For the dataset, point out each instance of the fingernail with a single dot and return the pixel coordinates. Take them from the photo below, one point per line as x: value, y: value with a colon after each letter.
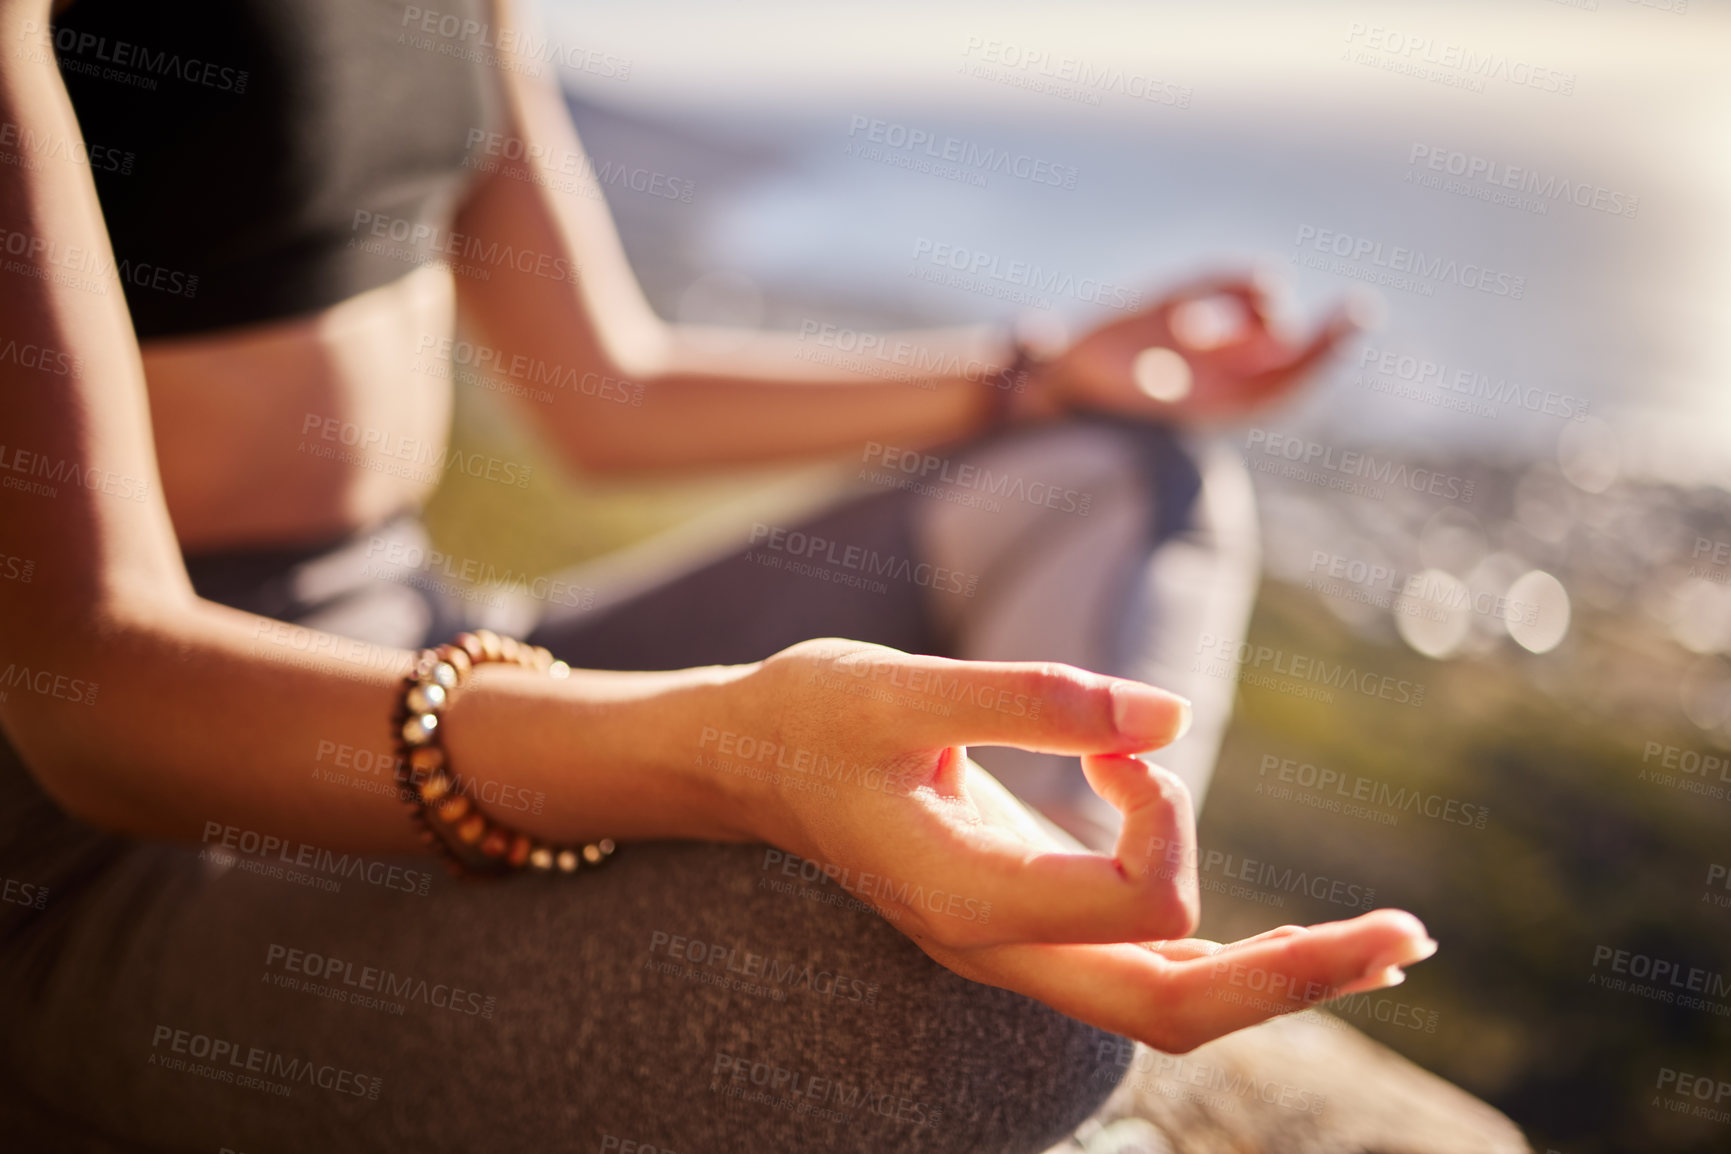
x: 1389, y: 967
x: 1393, y: 961
x: 1386, y: 977
x: 1185, y: 717
x: 1406, y: 954
x: 1375, y: 978
x: 1143, y: 712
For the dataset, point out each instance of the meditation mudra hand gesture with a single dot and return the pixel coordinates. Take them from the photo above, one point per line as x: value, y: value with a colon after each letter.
x: 1208, y: 350
x: 1104, y: 939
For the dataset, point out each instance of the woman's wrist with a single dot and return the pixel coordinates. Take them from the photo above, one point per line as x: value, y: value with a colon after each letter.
x: 1026, y: 390
x: 600, y: 754
x: 711, y: 756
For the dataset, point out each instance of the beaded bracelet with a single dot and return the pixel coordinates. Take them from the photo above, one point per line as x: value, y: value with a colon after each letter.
x: 1012, y: 397
x: 1010, y: 380
x: 470, y: 841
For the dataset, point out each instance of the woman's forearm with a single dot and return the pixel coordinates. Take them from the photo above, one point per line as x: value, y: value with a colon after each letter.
x: 192, y: 718
x: 632, y: 391
x: 725, y: 396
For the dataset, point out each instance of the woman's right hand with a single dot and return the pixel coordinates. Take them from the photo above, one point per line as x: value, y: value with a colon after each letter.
x: 860, y: 753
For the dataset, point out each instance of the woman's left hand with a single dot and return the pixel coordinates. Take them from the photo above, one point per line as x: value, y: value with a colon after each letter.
x: 1208, y: 350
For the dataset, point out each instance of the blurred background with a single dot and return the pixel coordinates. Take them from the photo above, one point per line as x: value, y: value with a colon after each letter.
x: 1537, y: 191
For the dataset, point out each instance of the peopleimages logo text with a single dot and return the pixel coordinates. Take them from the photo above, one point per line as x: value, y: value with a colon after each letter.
x: 965, y: 475
x: 1546, y: 187
x: 1421, y: 51
x: 1068, y: 77
x: 227, y: 1056
x: 1411, y: 261
x: 87, y: 49
x: 1246, y: 661
x: 810, y: 547
x: 989, y: 267
x: 959, y: 151
x: 1479, y: 386
x: 1366, y: 466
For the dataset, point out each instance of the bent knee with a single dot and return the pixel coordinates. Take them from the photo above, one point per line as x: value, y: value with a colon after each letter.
x: 1035, y: 1075
x: 988, y: 1069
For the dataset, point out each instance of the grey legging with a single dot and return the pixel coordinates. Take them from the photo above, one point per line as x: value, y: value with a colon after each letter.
x: 689, y: 997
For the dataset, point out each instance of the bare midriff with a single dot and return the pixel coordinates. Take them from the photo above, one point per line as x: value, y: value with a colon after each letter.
x: 307, y: 428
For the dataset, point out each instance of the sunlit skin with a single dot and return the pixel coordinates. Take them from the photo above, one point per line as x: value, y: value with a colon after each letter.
x: 191, y: 690
x: 1239, y: 362
x: 1103, y: 938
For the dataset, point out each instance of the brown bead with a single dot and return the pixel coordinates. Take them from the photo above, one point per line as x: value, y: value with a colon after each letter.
x: 567, y: 861
x: 457, y: 658
x: 454, y: 809
x: 510, y: 650
x: 490, y: 650
x: 435, y: 787
x: 541, y: 858
x: 426, y: 760
x: 470, y: 829
x: 471, y: 645
x: 419, y: 729
x: 543, y: 657
x: 497, y: 841
x: 426, y: 697
x: 519, y: 854
x: 592, y: 854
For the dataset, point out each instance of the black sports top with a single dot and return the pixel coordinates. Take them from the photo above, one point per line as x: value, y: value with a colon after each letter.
x: 246, y: 152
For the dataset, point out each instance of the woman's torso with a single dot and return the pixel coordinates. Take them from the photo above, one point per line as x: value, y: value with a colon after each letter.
x: 305, y: 429
x: 276, y: 178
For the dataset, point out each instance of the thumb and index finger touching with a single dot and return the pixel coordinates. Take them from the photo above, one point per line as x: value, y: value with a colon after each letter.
x: 1147, y: 889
